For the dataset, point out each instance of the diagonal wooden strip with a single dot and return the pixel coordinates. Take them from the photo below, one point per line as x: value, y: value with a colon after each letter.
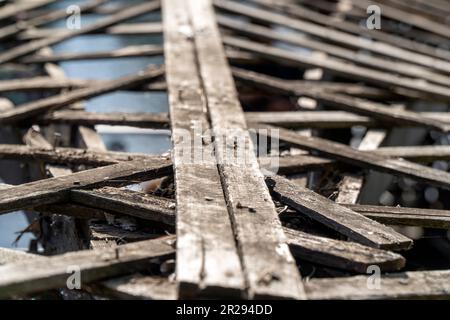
x: 31, y: 109
x: 136, y: 204
x: 57, y: 189
x: 341, y: 219
x: 268, y: 265
x: 363, y: 159
x: 33, y: 46
x: 334, y: 36
x: 428, y: 218
x: 408, y: 285
x: 207, y: 261
x: 339, y: 254
x: 11, y: 9
x: 66, y: 155
x: 335, y: 66
x: 34, y: 275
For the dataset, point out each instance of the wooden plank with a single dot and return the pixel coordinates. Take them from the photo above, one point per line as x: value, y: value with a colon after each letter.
x: 57, y: 189
x: 408, y: 285
x: 36, y: 275
x: 302, y: 12
x: 136, y: 204
x: 341, y: 68
x: 334, y: 36
x: 126, y: 52
x: 10, y: 10
x: 121, y: 29
x: 35, y: 108
x: 358, y: 58
x: 362, y: 159
x: 329, y: 119
x: 33, y: 46
x: 142, y: 120
x: 207, y: 261
x: 64, y: 155
x: 343, y: 220
x: 344, y: 255
x: 427, y: 218
x: 268, y: 265
x: 351, y: 185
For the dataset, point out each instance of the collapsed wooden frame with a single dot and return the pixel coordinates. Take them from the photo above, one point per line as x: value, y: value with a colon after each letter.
x: 259, y: 263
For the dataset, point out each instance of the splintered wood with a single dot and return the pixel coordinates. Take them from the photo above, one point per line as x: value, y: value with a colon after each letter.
x: 246, y: 206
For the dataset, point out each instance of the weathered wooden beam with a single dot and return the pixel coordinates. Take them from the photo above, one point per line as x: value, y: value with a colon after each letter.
x: 127, y: 202
x: 35, y: 108
x: 427, y: 218
x: 10, y: 10
x: 207, y: 261
x: 334, y: 36
x: 268, y: 265
x: 127, y: 52
x: 408, y: 285
x: 335, y: 66
x: 35, y: 275
x: 63, y: 155
x: 398, y: 67
x: 363, y: 159
x: 343, y: 220
x: 33, y: 46
x: 344, y: 255
x: 57, y: 189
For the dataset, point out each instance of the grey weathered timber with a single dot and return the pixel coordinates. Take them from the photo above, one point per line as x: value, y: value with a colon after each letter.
x: 401, y: 68
x: 65, y: 155
x: 428, y: 218
x: 57, y: 189
x: 11, y: 9
x: 126, y: 52
x: 345, y: 255
x: 338, y: 67
x: 136, y: 204
x: 143, y: 120
x: 335, y: 36
x: 268, y: 265
x: 343, y: 220
x: 351, y: 185
x: 364, y: 159
x: 33, y: 46
x: 300, y: 11
x: 408, y: 285
x: 35, y: 108
x: 329, y: 119
x: 207, y: 261
x: 34, y: 275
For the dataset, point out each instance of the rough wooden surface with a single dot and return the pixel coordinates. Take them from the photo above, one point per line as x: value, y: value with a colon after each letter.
x: 268, y: 265
x: 34, y: 275
x: 207, y: 261
x: 341, y: 219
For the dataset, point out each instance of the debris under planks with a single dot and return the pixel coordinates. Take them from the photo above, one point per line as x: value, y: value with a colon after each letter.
x: 305, y: 148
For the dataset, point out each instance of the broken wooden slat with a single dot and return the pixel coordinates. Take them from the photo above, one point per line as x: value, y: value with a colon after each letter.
x: 207, y: 260
x: 341, y: 219
x: 341, y: 68
x: 268, y: 265
x: 339, y: 254
x: 408, y: 285
x: 127, y: 52
x: 136, y: 204
x: 364, y: 159
x: 428, y: 218
x: 69, y: 155
x: 31, y: 109
x: 36, y: 275
x: 57, y: 189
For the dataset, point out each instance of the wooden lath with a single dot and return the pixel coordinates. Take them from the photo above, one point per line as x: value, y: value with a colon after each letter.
x: 234, y: 236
